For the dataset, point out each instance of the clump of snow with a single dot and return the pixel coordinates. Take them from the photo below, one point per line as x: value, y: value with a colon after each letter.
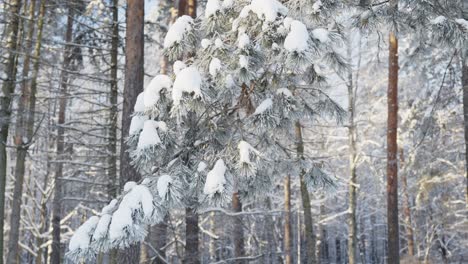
x: 287, y: 22
x: 462, y: 22
x: 201, y: 166
x: 264, y: 106
x: 177, y: 31
x: 129, y: 185
x: 268, y: 9
x: 215, y: 67
x: 285, y: 92
x: 243, y: 41
x: 205, y: 43
x: 438, y: 20
x: 321, y: 34
x: 244, y: 152
x: 163, y: 185
x: 316, y: 7
x: 245, y: 11
x: 136, y: 125
x: 110, y: 207
x: 152, y: 91
x: 212, y: 6
x: 228, y: 4
x: 82, y: 237
x: 244, y: 61
x: 297, y: 38
x: 215, y: 179
x: 162, y: 126
x: 219, y: 43
x: 102, y: 227
x: 178, y: 66
x: 229, y: 81
x: 189, y: 81
x: 149, y: 136
x: 139, y: 104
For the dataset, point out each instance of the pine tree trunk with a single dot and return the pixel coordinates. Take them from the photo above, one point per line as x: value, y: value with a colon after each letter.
x: 134, y: 82
x: 406, y: 208
x: 8, y: 88
x: 392, y: 148
x: 192, y: 253
x: 352, y: 225
x: 287, y: 221
x: 310, y: 240
x: 465, y: 114
x: 56, y: 204
x: 25, y: 130
x: 238, y: 234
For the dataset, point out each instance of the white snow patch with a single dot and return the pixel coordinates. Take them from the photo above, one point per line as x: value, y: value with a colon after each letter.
x: 82, y: 237
x: 149, y: 136
x: 215, y: 179
x: 188, y: 80
x: 229, y: 81
x: 136, y: 125
x: 152, y: 91
x: 102, y: 227
x: 211, y: 7
x: 201, y: 166
x: 321, y: 34
x: 287, y: 22
x: 244, y: 152
x: 215, y: 67
x: 163, y: 185
x: 268, y: 9
x: 297, y: 38
x: 228, y: 4
x: 110, y: 207
x: 129, y: 185
x: 316, y: 7
x: 285, y: 92
x: 177, y: 31
x: 219, y: 43
x: 244, y: 61
x: 140, y: 103
x: 243, y: 41
x: 462, y: 22
x: 265, y: 105
x: 178, y: 66
x: 205, y: 43
x: 438, y: 20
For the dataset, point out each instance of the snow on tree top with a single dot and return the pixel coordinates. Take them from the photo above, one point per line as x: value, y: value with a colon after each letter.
x: 462, y: 22
x: 177, y: 30
x: 284, y: 91
x: 163, y: 185
x: 110, y: 207
x: 215, y: 179
x: 205, y: 43
x: 297, y: 38
x: 139, y: 104
x: 152, y: 91
x: 189, y: 81
x: 316, y: 7
x: 243, y: 61
x: 243, y: 40
x: 136, y: 125
x: 321, y: 34
x: 267, y: 9
x: 149, y: 136
x: 178, y: 66
x: 265, y: 105
x: 244, y: 152
x: 438, y: 20
x: 129, y: 185
x: 201, y: 166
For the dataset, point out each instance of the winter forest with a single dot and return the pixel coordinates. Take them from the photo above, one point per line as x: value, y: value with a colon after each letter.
x: 234, y: 131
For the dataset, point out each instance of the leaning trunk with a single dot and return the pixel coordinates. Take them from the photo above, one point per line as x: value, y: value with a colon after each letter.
x: 56, y: 204
x: 392, y: 148
x: 8, y: 88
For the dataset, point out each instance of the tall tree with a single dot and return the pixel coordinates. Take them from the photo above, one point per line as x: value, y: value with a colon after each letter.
x: 288, y: 239
x: 134, y: 82
x: 55, y: 257
x: 8, y: 88
x: 25, y: 123
x: 392, y: 145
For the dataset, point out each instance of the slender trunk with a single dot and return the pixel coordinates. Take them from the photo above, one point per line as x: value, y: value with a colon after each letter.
x: 56, y: 204
x: 338, y: 249
x: 352, y: 225
x: 392, y: 148
x: 158, y: 240
x: 465, y: 114
x: 8, y: 88
x: 134, y: 77
x: 28, y: 100
x: 287, y: 221
x: 238, y: 235
x: 406, y: 208
x: 308, y: 222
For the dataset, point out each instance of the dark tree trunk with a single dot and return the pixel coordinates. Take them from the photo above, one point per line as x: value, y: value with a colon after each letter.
x: 134, y: 82
x: 26, y: 109
x: 465, y: 114
x: 392, y: 149
x: 192, y: 253
x: 238, y: 234
x: 55, y: 257
x: 8, y: 89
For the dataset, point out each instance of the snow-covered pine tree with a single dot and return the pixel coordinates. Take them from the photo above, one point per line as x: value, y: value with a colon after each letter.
x: 244, y: 72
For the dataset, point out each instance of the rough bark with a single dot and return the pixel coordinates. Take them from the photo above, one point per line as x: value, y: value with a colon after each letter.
x: 392, y: 149
x: 352, y: 185
x: 310, y: 240
x: 465, y: 114
x: 134, y: 82
x: 8, y: 88
x: 238, y: 234
x: 25, y: 130
x: 192, y: 252
x: 55, y: 257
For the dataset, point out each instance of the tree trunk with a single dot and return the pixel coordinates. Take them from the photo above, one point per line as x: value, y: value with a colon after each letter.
x: 465, y: 114
x: 352, y: 225
x: 192, y: 253
x: 238, y: 234
x: 406, y: 208
x: 8, y: 89
x: 287, y: 221
x: 308, y: 222
x: 25, y: 130
x: 392, y: 148
x: 56, y: 204
x: 134, y: 82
